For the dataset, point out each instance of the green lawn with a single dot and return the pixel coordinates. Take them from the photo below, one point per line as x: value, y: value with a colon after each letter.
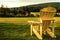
x: 21, y: 31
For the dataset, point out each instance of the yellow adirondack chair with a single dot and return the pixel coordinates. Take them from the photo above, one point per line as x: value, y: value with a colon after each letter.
x: 45, y: 20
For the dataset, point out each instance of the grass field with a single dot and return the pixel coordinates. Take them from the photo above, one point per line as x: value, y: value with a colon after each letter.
x: 19, y: 29
x: 23, y: 20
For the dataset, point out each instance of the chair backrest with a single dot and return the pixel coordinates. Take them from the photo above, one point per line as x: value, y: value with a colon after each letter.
x: 47, y: 13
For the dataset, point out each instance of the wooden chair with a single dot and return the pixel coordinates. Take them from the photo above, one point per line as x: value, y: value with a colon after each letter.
x: 45, y: 21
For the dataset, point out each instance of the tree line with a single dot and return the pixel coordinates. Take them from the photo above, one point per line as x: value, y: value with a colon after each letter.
x: 21, y: 11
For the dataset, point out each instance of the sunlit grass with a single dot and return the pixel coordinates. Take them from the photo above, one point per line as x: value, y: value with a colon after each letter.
x: 25, y: 20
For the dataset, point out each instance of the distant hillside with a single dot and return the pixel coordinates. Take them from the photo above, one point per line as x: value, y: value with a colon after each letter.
x: 54, y: 4
x: 42, y: 5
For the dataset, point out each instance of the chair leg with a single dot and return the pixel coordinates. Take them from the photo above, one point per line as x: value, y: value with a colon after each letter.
x: 37, y: 34
x: 53, y: 27
x: 40, y: 27
x: 41, y: 30
x: 31, y: 30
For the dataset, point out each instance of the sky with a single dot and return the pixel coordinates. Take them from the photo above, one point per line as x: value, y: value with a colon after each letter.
x: 19, y: 3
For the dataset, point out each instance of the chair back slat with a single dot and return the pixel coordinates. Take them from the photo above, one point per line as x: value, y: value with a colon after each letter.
x: 47, y: 13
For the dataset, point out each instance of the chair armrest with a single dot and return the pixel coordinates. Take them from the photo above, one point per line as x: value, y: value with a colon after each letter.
x: 33, y: 22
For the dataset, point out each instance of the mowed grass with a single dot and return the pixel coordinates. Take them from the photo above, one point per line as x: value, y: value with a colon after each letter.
x: 19, y: 29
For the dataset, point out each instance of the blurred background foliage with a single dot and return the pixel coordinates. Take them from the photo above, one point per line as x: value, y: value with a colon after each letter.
x: 25, y: 11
